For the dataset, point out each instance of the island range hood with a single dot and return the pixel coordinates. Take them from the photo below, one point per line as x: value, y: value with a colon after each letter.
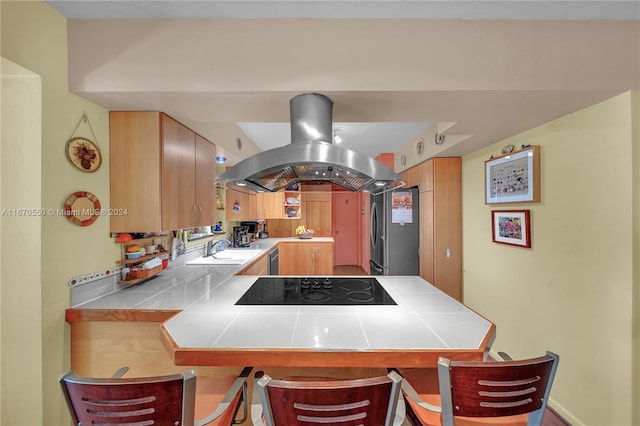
x: 311, y: 156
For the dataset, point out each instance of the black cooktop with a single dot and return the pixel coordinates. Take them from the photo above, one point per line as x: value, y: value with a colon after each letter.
x: 316, y: 291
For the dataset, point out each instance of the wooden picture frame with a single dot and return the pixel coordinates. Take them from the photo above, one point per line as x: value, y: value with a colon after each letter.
x: 513, y: 178
x: 511, y: 227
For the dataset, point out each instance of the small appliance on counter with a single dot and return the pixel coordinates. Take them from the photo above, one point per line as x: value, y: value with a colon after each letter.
x: 177, y: 247
x: 263, y: 233
x: 240, y: 236
x: 252, y: 229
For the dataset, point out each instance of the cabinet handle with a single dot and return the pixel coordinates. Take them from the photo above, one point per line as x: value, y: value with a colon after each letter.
x: 200, y: 215
x: 195, y: 215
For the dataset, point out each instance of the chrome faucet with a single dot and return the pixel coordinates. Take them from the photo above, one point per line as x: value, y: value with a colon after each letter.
x: 212, y: 246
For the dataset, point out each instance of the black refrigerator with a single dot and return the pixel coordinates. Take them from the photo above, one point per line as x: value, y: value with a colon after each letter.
x: 395, y: 233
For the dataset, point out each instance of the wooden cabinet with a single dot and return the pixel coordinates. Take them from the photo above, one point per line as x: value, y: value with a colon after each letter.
x: 315, y: 258
x: 306, y: 258
x: 318, y: 217
x: 439, y: 181
x: 205, y: 189
x: 420, y: 175
x: 258, y: 267
x: 292, y: 208
x: 282, y: 227
x: 269, y: 205
x: 288, y: 258
x: 241, y: 203
x: 162, y: 173
x: 318, y: 203
x: 178, y: 152
x: 447, y: 225
x: 135, y: 171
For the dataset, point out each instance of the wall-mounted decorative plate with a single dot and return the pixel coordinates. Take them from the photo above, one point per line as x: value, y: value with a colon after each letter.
x: 507, y: 150
x: 419, y: 147
x: 403, y: 159
x: 82, y: 208
x: 83, y: 154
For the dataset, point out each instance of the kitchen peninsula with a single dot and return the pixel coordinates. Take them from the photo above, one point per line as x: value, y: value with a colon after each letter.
x: 188, y: 316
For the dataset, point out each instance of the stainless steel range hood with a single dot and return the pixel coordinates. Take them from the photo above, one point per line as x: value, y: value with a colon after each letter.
x: 311, y: 156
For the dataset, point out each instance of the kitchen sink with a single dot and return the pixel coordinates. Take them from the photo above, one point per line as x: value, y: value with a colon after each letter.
x: 227, y: 257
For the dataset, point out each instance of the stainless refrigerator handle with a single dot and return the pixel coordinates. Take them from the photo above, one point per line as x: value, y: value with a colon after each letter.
x: 374, y: 224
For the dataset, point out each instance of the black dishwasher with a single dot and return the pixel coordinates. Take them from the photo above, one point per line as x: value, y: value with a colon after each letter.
x: 273, y: 261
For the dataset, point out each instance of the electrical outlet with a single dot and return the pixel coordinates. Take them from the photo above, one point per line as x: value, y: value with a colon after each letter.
x: 94, y: 276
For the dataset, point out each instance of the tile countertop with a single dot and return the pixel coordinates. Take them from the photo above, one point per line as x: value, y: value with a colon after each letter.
x: 181, y: 285
x: 212, y: 330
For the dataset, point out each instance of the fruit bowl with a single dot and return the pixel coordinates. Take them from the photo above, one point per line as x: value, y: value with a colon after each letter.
x: 135, y: 255
x: 304, y: 233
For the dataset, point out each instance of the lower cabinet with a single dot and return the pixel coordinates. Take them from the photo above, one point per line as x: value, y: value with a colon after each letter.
x: 104, y: 341
x: 258, y: 267
x: 315, y: 258
x: 306, y: 258
x: 288, y: 258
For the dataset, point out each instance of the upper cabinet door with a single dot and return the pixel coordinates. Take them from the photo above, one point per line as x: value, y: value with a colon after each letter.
x: 205, y: 181
x: 271, y: 205
x: 179, y: 209
x: 135, y: 171
x: 160, y: 174
x: 420, y: 175
x: 241, y: 203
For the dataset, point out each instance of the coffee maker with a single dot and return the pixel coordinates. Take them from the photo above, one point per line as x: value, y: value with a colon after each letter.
x: 241, y: 236
x: 252, y: 229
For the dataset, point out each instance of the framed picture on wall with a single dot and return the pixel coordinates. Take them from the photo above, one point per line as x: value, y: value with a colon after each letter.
x: 513, y: 178
x: 511, y: 227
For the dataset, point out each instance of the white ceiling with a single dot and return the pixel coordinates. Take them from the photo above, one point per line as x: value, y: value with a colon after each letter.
x: 475, y: 109
x: 338, y: 9
x: 367, y: 138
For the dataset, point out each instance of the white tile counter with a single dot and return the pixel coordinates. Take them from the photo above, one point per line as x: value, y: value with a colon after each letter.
x: 211, y: 330
x: 424, y: 324
x: 180, y: 285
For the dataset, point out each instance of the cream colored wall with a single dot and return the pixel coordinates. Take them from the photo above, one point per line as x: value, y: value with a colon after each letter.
x: 635, y: 370
x: 34, y: 36
x: 20, y: 310
x: 571, y: 293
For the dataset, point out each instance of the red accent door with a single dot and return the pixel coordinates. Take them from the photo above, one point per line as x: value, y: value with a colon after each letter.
x: 346, y: 227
